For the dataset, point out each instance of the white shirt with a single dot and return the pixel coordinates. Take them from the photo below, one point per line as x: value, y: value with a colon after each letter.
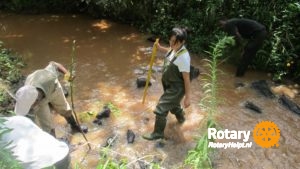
x: 35, y: 148
x: 183, y: 61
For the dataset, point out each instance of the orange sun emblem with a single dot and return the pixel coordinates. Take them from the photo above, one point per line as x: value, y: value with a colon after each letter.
x: 266, y: 134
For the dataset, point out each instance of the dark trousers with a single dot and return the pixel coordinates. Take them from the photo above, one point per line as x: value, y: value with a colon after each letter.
x: 250, y: 51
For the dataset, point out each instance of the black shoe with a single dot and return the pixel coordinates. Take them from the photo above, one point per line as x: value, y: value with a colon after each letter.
x: 153, y: 136
x: 180, y: 118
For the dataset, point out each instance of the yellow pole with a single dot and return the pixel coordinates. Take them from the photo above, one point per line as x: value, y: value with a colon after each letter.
x: 154, y: 49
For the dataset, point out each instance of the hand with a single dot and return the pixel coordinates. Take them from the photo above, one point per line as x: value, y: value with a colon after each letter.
x: 161, y: 48
x: 186, y: 102
x: 157, y: 45
x: 68, y: 78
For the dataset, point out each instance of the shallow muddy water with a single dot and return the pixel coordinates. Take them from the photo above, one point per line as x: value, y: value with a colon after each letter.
x: 108, y: 55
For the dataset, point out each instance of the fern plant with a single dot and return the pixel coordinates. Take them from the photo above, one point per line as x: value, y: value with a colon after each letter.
x: 199, y: 156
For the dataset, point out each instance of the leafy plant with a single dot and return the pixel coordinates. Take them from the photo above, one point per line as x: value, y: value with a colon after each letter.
x: 199, y: 156
x: 106, y: 162
x: 10, y: 74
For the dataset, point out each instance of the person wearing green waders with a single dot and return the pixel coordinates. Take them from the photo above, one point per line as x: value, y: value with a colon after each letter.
x: 175, y: 81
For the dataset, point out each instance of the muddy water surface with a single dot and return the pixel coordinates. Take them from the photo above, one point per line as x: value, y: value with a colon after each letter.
x: 107, y: 55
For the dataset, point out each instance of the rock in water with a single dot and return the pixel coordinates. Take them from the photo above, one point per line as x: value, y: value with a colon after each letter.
x: 239, y: 84
x: 289, y: 104
x: 284, y: 90
x: 84, y: 128
x: 194, y: 72
x: 105, y: 113
x: 252, y: 107
x: 110, y: 141
x: 141, y: 82
x: 130, y: 136
x: 261, y: 86
x: 98, y: 121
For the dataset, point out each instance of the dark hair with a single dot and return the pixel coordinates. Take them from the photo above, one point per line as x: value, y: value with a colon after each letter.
x: 179, y: 33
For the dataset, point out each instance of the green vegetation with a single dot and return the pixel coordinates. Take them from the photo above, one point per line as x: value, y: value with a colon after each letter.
x: 7, y: 160
x: 10, y: 64
x: 39, y: 6
x: 114, y: 109
x: 280, y: 54
x: 199, y: 156
x: 106, y: 162
x: 10, y: 74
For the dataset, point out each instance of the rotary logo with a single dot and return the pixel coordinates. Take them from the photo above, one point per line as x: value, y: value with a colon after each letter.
x: 266, y: 134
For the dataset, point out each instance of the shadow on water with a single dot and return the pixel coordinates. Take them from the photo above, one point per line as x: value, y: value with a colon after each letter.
x: 107, y: 55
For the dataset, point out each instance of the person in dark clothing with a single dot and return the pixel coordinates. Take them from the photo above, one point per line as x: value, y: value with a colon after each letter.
x: 247, y: 29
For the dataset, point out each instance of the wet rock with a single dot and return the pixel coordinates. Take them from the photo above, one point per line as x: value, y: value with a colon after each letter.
x: 141, y: 82
x: 239, y: 84
x: 130, y: 136
x: 105, y: 113
x: 252, y: 106
x: 194, y: 72
x: 139, y: 71
x: 284, y: 90
x: 110, y: 141
x: 84, y: 128
x: 98, y: 122
x: 261, y: 86
x: 289, y: 104
x: 160, y: 144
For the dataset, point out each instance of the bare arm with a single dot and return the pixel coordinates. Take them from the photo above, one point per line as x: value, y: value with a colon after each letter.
x: 233, y: 30
x: 238, y: 36
x: 162, y: 48
x: 63, y: 70
x: 187, y: 87
x: 60, y: 67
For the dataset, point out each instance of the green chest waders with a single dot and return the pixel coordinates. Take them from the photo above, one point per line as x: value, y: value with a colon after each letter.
x: 173, y: 86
